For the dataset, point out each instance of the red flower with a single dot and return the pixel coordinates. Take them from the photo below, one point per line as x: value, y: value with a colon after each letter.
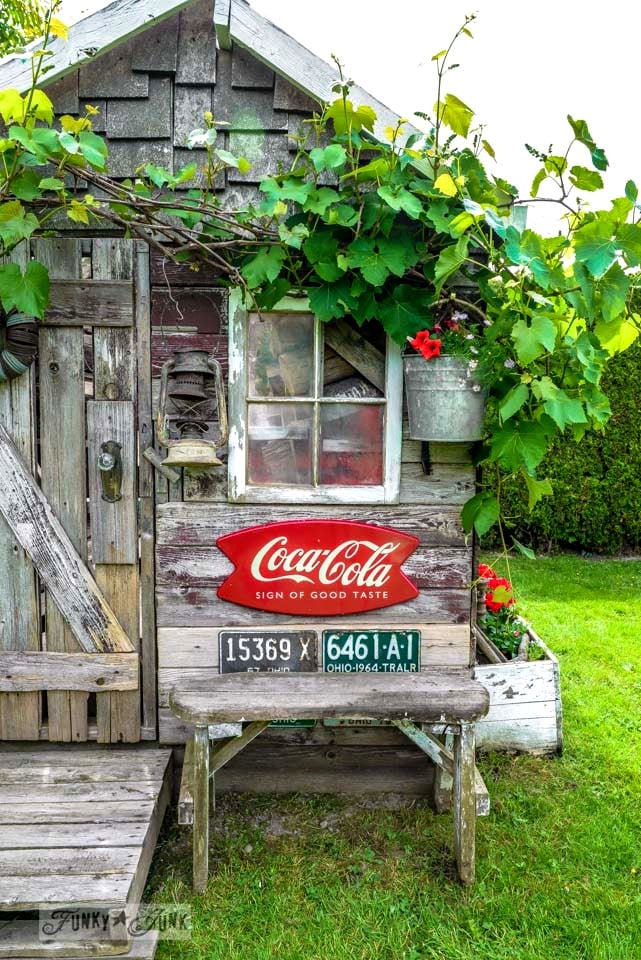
x: 506, y: 597
x: 485, y: 572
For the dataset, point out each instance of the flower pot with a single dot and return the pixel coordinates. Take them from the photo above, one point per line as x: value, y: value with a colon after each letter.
x: 525, y: 714
x: 445, y: 401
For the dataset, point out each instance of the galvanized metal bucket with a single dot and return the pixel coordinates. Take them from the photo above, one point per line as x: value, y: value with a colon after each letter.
x: 445, y: 402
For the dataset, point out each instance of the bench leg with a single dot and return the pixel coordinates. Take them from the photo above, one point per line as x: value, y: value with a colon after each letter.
x: 443, y: 781
x: 201, y: 808
x: 464, y: 802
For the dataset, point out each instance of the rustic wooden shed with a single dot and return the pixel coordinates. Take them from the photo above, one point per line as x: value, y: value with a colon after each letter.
x: 119, y: 603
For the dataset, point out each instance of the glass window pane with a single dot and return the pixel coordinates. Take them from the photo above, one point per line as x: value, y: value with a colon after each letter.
x: 281, y: 355
x: 351, y: 450
x: 280, y: 443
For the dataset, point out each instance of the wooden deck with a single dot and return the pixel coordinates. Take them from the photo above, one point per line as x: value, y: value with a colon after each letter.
x: 77, y: 827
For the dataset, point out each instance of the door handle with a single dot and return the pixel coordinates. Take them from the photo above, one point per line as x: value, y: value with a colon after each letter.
x: 110, y: 468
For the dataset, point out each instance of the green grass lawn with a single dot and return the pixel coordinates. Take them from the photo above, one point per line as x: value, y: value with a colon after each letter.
x: 558, y: 859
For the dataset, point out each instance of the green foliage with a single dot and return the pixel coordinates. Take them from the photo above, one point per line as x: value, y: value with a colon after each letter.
x: 596, y: 483
x: 20, y: 21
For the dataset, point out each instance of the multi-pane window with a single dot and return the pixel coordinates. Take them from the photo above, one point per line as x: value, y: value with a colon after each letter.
x: 316, y: 410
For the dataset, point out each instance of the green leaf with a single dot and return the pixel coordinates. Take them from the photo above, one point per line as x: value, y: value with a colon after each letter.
x: 398, y: 252
x: 613, y: 291
x: 11, y: 106
x: 585, y: 179
x: 562, y: 408
x: 28, y: 292
x: 522, y: 549
x: 345, y: 117
x: 402, y: 312
x: 265, y: 265
x: 26, y: 186
x: 455, y: 114
x: 618, y: 336
x: 628, y: 239
x: 595, y: 247
x: 533, y: 340
x: 538, y: 180
x: 51, y: 183
x: 398, y: 198
x: 515, y: 399
x: 267, y: 298
x: 328, y: 302
x: 317, y: 156
x: 158, y: 175
x: 41, y: 106
x: 320, y: 200
x: 480, y: 513
x: 293, y: 236
x: 15, y: 224
x: 445, y: 184
x: 335, y: 156
x: 631, y: 191
x: 321, y: 245
x: 583, y: 135
x: 77, y: 212
x: 520, y: 444
x: 449, y: 262
x: 93, y: 148
x: 362, y: 254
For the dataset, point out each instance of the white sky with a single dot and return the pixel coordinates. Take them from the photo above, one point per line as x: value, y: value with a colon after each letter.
x: 528, y: 66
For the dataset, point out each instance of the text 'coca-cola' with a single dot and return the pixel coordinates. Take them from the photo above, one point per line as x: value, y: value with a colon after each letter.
x: 317, y: 567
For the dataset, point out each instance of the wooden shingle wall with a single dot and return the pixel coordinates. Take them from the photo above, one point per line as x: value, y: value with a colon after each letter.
x: 153, y: 90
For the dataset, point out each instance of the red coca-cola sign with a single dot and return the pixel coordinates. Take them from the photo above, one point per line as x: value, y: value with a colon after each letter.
x: 317, y: 567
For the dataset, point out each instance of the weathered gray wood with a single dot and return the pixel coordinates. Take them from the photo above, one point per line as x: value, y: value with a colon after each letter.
x: 34, y: 670
x: 190, y: 105
x: 265, y: 151
x: 61, y: 569
x: 149, y: 844
x: 140, y: 764
x: 114, y: 364
x: 222, y: 755
x: 222, y: 14
x: 125, y: 156
x: 40, y: 862
x: 110, y: 75
x: 446, y: 485
x: 464, y: 803
x: 71, y: 792
x: 208, y: 567
x: 201, y: 808
x: 21, y: 937
x: 157, y: 52
x: 182, y: 606
x: 440, y: 695
x: 63, y: 481
x: 487, y: 648
x: 19, y: 595
x: 106, y: 303
x: 197, y: 44
x: 443, y: 780
x: 57, y: 890
x: 148, y: 614
x: 64, y: 94
x: 291, y: 98
x: 247, y: 72
x: 358, y: 352
x: 113, y: 525
x: 244, y: 109
x: 154, y: 459
x: 118, y: 713
x: 201, y: 524
x: 83, y: 811
x: 149, y: 118
x: 186, y: 793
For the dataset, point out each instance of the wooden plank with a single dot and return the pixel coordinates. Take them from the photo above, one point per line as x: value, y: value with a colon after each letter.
x: 199, y: 525
x: 114, y: 534
x: 101, y: 31
x: 222, y: 16
x: 190, y: 105
x: 60, y: 567
x: 182, y: 606
x: 33, y: 670
x: 63, y: 473
x: 149, y: 117
x: 222, y: 755
x: 463, y: 802
x: 143, y: 764
x: 72, y: 792
x: 157, y: 52
x: 41, y: 862
x: 91, y: 303
x: 21, y: 937
x: 84, y: 812
x: 196, y: 44
x: 19, y: 597
x: 247, y: 72
x: 31, y: 893
x: 149, y: 844
x: 118, y: 714
x: 446, y: 485
x: 517, y: 681
x: 440, y: 695
x: 537, y: 736
x: 358, y: 352
x: 186, y: 794
x: 195, y: 648
x: 201, y: 809
x: 145, y: 486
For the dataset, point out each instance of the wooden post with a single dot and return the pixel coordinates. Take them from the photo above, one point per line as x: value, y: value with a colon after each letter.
x: 464, y: 802
x: 201, y: 808
x: 443, y: 781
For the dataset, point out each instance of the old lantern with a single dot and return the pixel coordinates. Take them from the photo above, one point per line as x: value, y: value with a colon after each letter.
x: 191, y: 396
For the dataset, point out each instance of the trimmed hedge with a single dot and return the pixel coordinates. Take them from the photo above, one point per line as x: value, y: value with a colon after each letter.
x: 596, y: 505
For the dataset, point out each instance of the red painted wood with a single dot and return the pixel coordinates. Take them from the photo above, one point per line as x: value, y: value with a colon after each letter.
x: 203, y: 310
x: 318, y: 567
x: 164, y: 345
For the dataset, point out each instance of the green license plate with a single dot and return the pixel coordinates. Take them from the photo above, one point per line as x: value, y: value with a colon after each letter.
x: 293, y: 723
x: 372, y: 651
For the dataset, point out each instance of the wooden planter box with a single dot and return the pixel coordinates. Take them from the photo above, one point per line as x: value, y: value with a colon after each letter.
x: 525, y: 714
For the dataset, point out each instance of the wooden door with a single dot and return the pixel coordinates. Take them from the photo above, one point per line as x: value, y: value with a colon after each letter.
x: 73, y: 627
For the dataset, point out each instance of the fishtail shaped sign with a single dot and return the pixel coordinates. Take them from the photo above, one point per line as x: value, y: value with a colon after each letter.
x: 317, y: 567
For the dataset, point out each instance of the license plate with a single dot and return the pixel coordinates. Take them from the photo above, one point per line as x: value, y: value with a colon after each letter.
x: 248, y: 651
x: 268, y: 651
x: 371, y: 651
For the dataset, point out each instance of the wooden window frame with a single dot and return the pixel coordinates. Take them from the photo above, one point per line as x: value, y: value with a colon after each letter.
x: 240, y: 491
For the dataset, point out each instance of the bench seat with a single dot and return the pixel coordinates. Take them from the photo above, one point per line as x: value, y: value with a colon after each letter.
x: 441, y: 696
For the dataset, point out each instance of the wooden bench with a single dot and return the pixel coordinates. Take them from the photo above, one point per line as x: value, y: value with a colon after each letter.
x: 445, y: 697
